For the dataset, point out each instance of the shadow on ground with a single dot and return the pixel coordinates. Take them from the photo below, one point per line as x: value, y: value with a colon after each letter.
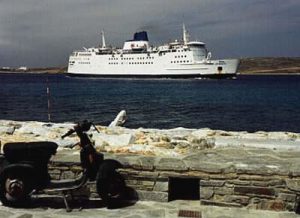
x: 57, y: 202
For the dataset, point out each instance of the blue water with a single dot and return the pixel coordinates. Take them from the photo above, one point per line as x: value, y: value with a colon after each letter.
x: 250, y: 103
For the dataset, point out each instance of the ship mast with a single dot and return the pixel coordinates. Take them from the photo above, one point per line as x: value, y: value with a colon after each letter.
x: 185, y: 35
x: 103, y: 39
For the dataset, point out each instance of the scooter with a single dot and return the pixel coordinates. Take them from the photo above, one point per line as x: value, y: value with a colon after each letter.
x: 24, y: 170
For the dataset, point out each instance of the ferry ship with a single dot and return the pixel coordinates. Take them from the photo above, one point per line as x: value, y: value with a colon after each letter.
x: 137, y: 59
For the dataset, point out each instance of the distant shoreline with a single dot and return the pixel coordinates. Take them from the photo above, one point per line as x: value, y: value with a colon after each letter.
x: 248, y: 66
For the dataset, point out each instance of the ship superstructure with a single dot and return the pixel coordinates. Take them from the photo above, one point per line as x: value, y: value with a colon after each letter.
x: 138, y: 59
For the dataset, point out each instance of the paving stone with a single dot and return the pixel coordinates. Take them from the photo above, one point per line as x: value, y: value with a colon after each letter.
x: 220, y: 204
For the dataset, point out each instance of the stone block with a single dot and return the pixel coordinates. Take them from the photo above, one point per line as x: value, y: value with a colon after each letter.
x: 172, y: 164
x: 55, y: 176
x: 223, y: 191
x: 239, y: 182
x: 250, y: 190
x: 167, y: 174
x: 294, y: 168
x: 7, y: 130
x: 206, y: 193
x: 287, y: 197
x: 146, y: 163
x: 92, y: 187
x: 276, y: 205
x: 54, y: 171
x: 213, y: 183
x: 148, y: 174
x: 276, y: 183
x: 239, y: 199
x: 197, y: 174
x: 293, y: 184
x: 161, y: 186
x: 223, y: 176
x: 207, y: 167
x: 152, y: 196
x: 255, y: 177
x: 67, y: 175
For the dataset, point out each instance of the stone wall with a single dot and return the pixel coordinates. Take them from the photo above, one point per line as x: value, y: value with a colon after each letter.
x: 257, y: 181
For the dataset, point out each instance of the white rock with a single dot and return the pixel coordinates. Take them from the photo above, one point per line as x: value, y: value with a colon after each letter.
x: 252, y: 136
x: 7, y: 130
x: 113, y: 140
x: 119, y: 120
x: 34, y: 128
x: 257, y: 143
x: 203, y: 133
x: 279, y: 135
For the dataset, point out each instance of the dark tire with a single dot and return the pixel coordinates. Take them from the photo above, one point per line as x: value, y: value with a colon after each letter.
x: 15, y: 187
x: 110, y: 184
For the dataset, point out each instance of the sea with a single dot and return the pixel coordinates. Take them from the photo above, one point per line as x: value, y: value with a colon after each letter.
x: 248, y: 103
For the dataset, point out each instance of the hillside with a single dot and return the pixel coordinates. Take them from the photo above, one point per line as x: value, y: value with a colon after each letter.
x: 270, y: 65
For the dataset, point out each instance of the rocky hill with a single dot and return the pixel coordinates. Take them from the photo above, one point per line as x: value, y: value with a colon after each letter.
x: 269, y: 65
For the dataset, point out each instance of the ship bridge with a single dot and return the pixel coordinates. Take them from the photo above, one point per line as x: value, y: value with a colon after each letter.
x: 199, y: 50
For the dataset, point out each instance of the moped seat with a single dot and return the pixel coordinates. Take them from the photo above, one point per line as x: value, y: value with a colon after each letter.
x: 41, y: 150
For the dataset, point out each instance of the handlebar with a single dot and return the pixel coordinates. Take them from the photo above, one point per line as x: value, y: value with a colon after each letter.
x: 84, y: 126
x: 70, y: 132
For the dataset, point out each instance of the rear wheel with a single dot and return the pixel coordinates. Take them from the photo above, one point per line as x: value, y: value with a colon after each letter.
x: 15, y: 187
x: 110, y: 184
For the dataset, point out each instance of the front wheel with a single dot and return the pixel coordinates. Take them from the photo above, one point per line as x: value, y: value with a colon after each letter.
x: 15, y: 187
x: 110, y: 184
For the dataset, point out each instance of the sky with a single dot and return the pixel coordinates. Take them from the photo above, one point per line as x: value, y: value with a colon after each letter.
x: 43, y: 33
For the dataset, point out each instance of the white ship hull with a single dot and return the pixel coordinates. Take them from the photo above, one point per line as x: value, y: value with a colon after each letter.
x: 152, y: 68
x: 174, y: 60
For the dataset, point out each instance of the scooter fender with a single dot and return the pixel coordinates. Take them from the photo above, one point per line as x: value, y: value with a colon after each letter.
x: 114, y: 163
x: 107, y: 167
x: 23, y: 168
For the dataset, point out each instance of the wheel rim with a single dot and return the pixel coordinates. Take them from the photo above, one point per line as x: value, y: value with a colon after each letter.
x: 114, y: 187
x: 14, y: 189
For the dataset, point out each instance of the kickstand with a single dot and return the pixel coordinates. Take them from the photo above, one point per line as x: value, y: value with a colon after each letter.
x: 68, y: 209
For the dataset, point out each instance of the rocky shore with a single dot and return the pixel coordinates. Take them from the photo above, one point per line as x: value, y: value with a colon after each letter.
x: 153, y: 142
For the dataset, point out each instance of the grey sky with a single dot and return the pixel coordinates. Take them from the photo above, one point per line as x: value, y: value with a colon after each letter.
x: 43, y: 33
